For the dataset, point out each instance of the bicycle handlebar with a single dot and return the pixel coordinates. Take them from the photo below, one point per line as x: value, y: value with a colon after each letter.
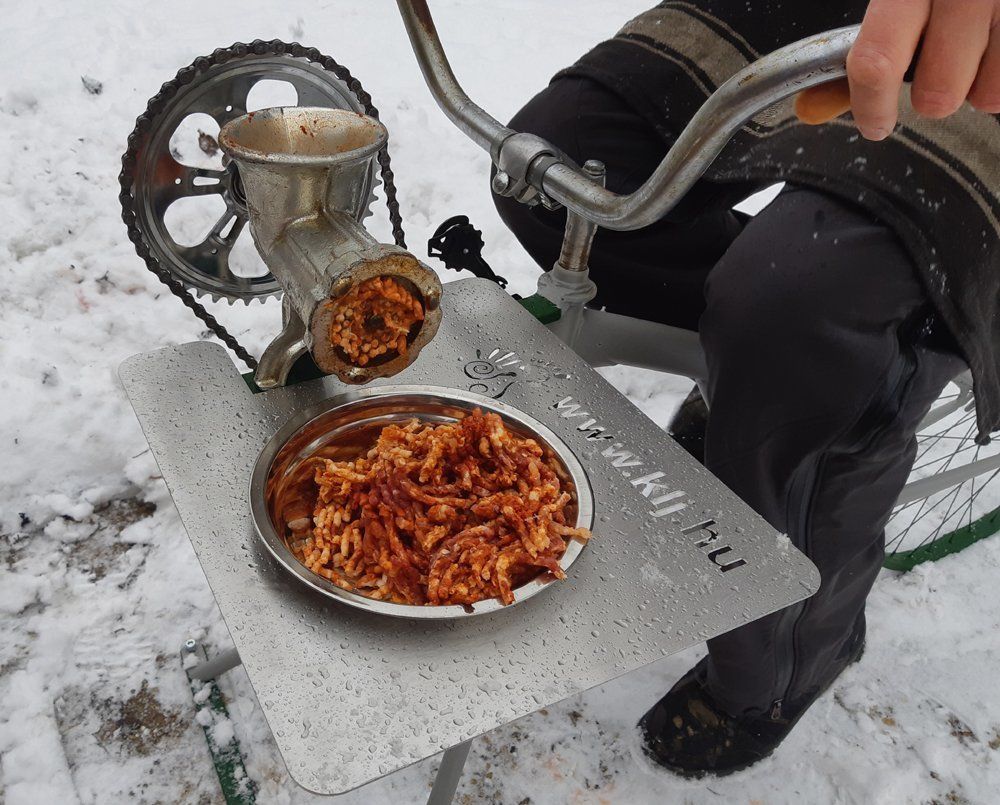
x: 532, y: 161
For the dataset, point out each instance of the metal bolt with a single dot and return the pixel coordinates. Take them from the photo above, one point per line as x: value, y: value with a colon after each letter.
x: 341, y: 285
x: 595, y: 169
x: 190, y: 645
x: 501, y: 183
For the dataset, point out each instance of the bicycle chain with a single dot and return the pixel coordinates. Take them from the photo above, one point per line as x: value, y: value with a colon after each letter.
x: 185, y: 76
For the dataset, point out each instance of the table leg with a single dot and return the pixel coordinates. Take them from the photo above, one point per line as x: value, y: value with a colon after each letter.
x: 449, y: 773
x: 218, y: 665
x: 227, y: 758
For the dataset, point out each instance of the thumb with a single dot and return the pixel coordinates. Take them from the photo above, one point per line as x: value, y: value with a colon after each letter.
x: 823, y: 103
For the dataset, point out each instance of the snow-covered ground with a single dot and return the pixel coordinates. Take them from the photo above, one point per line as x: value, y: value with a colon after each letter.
x: 98, y: 583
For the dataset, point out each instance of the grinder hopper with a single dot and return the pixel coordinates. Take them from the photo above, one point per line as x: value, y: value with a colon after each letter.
x: 305, y: 173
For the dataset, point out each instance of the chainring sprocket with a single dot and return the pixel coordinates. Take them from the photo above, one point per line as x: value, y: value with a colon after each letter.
x: 152, y: 177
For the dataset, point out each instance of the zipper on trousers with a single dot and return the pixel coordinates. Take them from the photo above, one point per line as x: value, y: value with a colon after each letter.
x: 867, y: 428
x: 794, y: 613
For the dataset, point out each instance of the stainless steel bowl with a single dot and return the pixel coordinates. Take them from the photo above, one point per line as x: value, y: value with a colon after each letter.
x: 344, y: 426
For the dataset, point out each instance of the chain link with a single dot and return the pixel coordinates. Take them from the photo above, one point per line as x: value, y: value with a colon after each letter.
x: 144, y: 123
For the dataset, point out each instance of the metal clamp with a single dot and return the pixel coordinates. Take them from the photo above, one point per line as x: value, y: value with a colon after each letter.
x: 208, y: 669
x: 518, y: 156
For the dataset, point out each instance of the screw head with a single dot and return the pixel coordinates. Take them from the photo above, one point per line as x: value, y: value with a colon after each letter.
x: 501, y: 183
x: 190, y: 645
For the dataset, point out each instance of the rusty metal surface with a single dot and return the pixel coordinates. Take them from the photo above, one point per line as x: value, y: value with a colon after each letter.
x: 350, y: 695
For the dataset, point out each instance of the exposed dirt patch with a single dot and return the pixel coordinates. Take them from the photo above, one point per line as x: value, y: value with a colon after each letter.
x: 125, y: 511
x: 586, y: 778
x: 11, y: 548
x: 139, y: 724
x: 17, y: 651
x: 884, y: 714
x: 189, y: 793
x: 99, y: 561
x: 162, y: 750
x: 953, y: 797
x: 961, y: 731
x: 101, y: 553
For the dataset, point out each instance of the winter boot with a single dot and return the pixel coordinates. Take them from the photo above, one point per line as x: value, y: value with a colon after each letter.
x: 688, y: 733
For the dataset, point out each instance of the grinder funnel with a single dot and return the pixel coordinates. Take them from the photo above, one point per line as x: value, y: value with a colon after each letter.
x: 307, y: 176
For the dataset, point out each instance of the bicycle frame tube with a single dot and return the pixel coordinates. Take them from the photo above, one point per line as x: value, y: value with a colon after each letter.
x: 606, y: 339
x: 759, y: 86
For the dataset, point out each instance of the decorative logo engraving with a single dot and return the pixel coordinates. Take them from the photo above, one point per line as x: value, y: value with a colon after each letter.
x: 491, y: 379
x: 708, y: 533
x: 496, y: 371
x: 661, y: 497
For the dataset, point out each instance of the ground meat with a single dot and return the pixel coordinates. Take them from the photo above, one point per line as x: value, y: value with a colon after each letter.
x: 439, y: 514
x: 374, y: 319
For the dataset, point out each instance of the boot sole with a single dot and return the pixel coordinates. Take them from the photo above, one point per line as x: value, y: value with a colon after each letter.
x: 698, y: 774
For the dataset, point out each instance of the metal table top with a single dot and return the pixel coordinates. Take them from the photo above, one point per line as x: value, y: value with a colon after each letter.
x: 352, y: 696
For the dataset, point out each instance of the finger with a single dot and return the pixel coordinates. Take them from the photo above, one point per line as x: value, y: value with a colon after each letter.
x: 985, y: 92
x: 953, y: 46
x: 879, y: 59
x: 824, y: 103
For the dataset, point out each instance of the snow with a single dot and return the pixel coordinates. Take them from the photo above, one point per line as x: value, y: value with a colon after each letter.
x: 98, y: 583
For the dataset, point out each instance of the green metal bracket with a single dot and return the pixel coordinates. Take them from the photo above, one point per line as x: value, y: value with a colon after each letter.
x: 541, y: 308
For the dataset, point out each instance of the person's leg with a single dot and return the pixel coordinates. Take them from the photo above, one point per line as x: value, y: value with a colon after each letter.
x: 819, y: 376
x: 818, y: 381
x: 656, y: 273
x: 815, y: 333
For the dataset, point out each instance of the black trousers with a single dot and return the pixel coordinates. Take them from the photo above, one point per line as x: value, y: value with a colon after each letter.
x: 823, y: 354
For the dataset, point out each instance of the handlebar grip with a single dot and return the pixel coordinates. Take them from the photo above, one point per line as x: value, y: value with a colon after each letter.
x: 823, y: 103
x: 826, y: 102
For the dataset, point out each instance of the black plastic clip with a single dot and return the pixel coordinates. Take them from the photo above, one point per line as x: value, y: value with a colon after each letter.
x: 459, y: 245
